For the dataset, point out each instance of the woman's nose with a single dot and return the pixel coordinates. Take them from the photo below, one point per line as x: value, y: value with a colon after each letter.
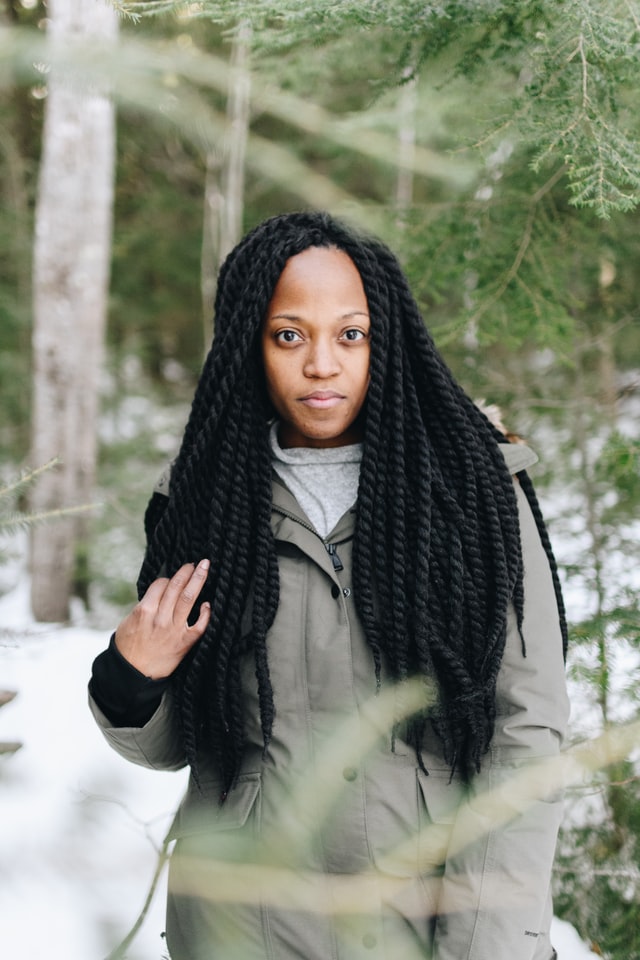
x: 321, y: 360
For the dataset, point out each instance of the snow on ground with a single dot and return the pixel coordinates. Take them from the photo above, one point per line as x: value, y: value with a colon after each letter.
x: 78, y: 824
x: 569, y: 946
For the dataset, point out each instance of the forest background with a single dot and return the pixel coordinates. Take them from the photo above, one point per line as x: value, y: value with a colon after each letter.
x: 494, y: 146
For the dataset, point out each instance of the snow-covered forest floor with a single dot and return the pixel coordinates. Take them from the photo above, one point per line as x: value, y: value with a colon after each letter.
x: 79, y: 826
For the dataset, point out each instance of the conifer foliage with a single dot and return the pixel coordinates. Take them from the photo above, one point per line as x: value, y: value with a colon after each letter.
x: 573, y: 67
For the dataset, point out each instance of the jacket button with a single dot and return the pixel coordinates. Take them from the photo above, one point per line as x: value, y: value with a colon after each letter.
x: 369, y: 941
x: 346, y: 592
x: 350, y: 773
x: 335, y: 592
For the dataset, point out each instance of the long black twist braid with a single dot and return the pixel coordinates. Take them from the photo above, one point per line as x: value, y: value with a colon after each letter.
x: 437, y: 557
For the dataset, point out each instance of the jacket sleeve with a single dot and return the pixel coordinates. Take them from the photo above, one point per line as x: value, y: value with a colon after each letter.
x: 495, y: 902
x: 157, y: 744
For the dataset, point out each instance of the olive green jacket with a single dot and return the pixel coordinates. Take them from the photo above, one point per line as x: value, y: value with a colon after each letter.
x: 336, y: 845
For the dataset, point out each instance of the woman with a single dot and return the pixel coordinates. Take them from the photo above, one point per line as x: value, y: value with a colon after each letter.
x: 371, y: 636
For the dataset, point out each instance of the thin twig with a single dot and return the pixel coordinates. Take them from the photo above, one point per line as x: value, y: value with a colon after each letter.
x: 119, y: 952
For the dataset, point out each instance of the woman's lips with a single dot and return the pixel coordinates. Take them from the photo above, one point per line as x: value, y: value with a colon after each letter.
x: 322, y: 399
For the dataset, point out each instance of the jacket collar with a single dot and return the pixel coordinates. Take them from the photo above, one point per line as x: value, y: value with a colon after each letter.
x: 290, y: 524
x: 286, y: 507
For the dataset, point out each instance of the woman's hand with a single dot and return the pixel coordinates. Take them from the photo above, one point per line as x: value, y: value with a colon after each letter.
x: 155, y: 637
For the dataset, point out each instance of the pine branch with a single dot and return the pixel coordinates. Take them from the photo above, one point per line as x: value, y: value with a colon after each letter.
x: 13, y: 521
x: 27, y: 478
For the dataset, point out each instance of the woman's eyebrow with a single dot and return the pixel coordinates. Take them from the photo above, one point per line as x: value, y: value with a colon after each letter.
x: 283, y: 316
x: 295, y: 316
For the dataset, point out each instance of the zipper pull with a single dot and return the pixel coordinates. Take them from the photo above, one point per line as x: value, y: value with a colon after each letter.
x: 335, y: 559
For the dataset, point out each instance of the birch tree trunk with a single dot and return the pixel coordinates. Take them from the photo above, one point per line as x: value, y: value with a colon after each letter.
x: 233, y: 173
x: 70, y: 285
x: 225, y: 177
x: 406, y: 148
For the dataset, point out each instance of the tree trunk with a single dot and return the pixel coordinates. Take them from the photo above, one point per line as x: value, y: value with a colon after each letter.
x: 71, y: 273
x: 225, y: 175
x: 210, y: 251
x: 233, y: 173
x: 406, y: 148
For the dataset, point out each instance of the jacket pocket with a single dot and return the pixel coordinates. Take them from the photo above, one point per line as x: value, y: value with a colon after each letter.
x: 439, y: 798
x: 442, y: 796
x: 201, y: 812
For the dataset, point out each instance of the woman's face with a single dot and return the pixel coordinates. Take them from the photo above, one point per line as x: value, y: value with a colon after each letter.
x: 316, y: 348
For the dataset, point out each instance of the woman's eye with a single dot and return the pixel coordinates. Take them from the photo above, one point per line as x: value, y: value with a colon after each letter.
x: 353, y: 334
x: 287, y: 336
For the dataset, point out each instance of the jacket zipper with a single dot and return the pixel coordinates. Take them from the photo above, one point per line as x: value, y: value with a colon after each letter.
x: 331, y: 548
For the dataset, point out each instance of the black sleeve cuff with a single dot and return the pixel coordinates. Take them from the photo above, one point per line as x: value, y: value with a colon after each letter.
x: 125, y: 696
